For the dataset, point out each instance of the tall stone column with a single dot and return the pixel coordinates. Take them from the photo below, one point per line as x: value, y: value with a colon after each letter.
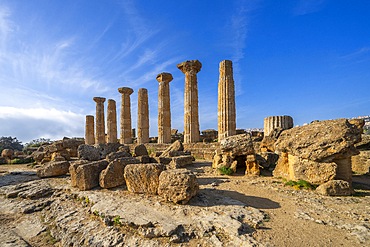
x: 142, y: 117
x: 99, y: 118
x: 89, y: 130
x: 226, y: 101
x: 270, y: 123
x: 111, y: 122
x: 125, y: 135
x: 191, y: 117
x: 164, y: 108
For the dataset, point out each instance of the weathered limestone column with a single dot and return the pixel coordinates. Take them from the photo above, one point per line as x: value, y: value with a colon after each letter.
x: 111, y: 122
x: 164, y: 108
x: 89, y: 130
x: 125, y: 135
x: 191, y: 117
x: 270, y: 123
x: 226, y: 101
x: 100, y: 123
x: 142, y: 117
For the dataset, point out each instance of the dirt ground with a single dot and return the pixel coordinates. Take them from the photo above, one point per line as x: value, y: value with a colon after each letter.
x: 294, y: 217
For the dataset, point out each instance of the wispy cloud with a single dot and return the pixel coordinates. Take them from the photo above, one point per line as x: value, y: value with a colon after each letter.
x: 6, y: 26
x: 304, y: 7
x: 358, y: 53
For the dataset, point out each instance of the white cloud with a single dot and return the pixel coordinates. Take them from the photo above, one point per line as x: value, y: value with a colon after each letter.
x: 32, y: 123
x: 305, y: 7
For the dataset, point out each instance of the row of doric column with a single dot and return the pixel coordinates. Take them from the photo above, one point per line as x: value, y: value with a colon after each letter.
x: 226, y: 109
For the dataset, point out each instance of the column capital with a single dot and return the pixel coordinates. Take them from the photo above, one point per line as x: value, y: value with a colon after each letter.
x: 125, y: 90
x: 164, y: 77
x: 142, y: 90
x: 99, y: 99
x: 191, y: 65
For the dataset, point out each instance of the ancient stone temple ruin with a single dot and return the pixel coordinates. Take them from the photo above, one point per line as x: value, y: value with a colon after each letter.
x: 226, y: 101
x: 191, y: 117
x: 89, y: 130
x: 126, y: 129
x: 100, y: 123
x: 164, y: 109
x: 273, y: 122
x: 111, y: 122
x: 142, y: 117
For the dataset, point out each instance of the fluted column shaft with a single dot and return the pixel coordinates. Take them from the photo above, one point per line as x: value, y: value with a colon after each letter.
x: 164, y: 108
x: 125, y: 121
x: 191, y: 116
x: 226, y: 101
x: 100, y: 123
x: 111, y: 122
x: 89, y: 130
x: 270, y: 123
x: 143, y: 117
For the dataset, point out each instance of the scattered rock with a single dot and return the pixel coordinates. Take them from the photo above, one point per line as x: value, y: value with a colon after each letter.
x: 116, y: 155
x: 181, y: 161
x: 7, y: 153
x: 72, y: 170
x: 335, y: 188
x: 237, y: 145
x: 87, y: 175
x: 178, y: 185
x: 143, y: 178
x: 87, y: 152
x: 53, y: 169
x: 175, y: 147
x: 140, y: 150
x: 113, y: 175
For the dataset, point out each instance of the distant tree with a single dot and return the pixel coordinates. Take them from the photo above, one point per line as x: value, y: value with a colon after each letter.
x: 38, y: 142
x: 10, y: 143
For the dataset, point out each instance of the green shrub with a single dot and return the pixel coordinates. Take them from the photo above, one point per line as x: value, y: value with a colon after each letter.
x: 225, y: 170
x: 300, y: 184
x: 117, y: 221
x: 21, y: 161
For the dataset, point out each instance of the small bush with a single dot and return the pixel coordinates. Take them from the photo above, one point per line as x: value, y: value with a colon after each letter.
x: 225, y: 170
x: 21, y: 161
x: 117, y: 221
x: 300, y: 184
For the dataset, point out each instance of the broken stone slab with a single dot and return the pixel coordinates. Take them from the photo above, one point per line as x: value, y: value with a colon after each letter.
x: 268, y: 142
x: 252, y: 167
x: 88, y: 152
x: 322, y: 141
x: 178, y: 185
x: 113, y: 175
x: 335, y: 188
x: 143, y: 178
x: 361, y: 162
x: 53, y: 169
x: 72, y: 171
x: 140, y: 150
x: 116, y: 155
x: 294, y: 168
x: 237, y: 145
x: 107, y: 148
x: 87, y: 175
x: 175, y: 147
x: 181, y: 161
x: 163, y: 160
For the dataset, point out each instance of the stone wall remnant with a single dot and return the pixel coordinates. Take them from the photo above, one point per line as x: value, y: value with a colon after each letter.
x: 270, y: 123
x: 99, y: 118
x: 226, y: 101
x: 126, y: 129
x: 142, y: 117
x: 191, y: 117
x: 164, y: 107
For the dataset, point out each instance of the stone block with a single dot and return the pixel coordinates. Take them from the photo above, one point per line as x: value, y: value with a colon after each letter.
x: 143, y: 178
x: 140, y: 150
x: 87, y: 175
x: 335, y: 188
x: 237, y: 145
x: 88, y: 152
x: 53, y: 169
x: 181, y: 161
x: 113, y: 175
x: 117, y: 155
x: 72, y: 170
x: 176, y: 146
x: 178, y: 185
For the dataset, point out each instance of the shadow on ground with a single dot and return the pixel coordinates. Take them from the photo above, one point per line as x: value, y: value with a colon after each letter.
x: 214, y: 197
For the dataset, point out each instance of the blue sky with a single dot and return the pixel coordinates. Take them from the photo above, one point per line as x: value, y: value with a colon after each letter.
x: 307, y: 59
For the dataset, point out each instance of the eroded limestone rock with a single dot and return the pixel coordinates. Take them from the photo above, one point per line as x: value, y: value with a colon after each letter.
x: 181, y: 161
x: 53, y: 169
x: 177, y: 185
x: 87, y: 175
x: 335, y: 188
x: 143, y: 178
